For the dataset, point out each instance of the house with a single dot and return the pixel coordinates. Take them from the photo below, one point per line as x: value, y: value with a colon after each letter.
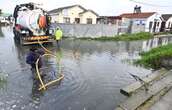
x: 73, y: 14
x: 167, y: 22
x: 114, y: 20
x: 142, y: 21
x: 5, y: 18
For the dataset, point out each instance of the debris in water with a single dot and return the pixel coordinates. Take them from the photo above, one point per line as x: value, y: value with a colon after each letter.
x: 36, y: 107
x: 22, y: 108
x: 14, y: 106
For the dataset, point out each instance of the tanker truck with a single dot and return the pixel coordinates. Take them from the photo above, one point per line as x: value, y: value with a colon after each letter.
x: 31, y: 23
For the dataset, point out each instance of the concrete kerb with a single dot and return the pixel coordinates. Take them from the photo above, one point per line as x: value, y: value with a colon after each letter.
x: 141, y: 97
x: 129, y: 90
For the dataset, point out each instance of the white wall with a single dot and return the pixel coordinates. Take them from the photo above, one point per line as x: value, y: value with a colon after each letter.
x: 86, y: 15
x: 56, y: 17
x: 138, y: 25
x: 53, y: 18
x: 73, y: 13
x: 134, y: 25
x: 125, y: 21
x: 167, y: 23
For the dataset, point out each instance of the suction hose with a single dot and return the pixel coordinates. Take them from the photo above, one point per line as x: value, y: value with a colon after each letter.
x: 50, y: 53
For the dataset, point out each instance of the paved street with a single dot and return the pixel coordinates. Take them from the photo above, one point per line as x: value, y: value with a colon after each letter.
x: 165, y: 103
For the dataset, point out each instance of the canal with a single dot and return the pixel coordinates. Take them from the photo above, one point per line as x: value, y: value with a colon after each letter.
x: 94, y: 73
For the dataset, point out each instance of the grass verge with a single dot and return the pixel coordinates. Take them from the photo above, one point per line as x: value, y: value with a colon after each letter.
x: 123, y: 37
x: 153, y: 58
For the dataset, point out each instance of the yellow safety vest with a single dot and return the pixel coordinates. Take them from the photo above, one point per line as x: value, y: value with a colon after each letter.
x: 58, y: 34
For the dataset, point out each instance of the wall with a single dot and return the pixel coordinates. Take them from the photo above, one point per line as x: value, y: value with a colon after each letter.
x: 56, y: 17
x: 125, y: 21
x: 87, y: 30
x: 138, y: 25
x: 152, y: 19
x: 134, y: 25
x: 88, y: 15
x: 74, y: 13
x: 167, y: 23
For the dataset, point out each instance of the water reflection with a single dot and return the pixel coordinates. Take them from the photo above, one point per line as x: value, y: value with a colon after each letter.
x: 120, y: 50
x: 152, y: 43
x: 1, y: 33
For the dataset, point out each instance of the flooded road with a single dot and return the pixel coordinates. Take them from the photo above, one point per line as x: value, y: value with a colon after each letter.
x: 94, y: 73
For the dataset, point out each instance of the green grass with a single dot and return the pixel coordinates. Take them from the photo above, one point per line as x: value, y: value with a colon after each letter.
x: 153, y: 58
x: 163, y: 33
x: 123, y: 37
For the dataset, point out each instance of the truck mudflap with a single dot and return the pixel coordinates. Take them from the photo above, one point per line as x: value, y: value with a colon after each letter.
x: 34, y: 40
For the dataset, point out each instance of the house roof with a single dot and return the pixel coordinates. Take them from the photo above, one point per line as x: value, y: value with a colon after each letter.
x: 166, y: 16
x: 85, y: 11
x: 137, y: 15
x: 66, y: 7
x: 110, y: 17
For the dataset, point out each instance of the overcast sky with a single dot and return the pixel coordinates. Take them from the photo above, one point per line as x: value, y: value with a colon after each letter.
x: 102, y: 7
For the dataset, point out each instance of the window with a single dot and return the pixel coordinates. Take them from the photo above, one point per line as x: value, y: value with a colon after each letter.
x: 140, y: 22
x: 157, y: 24
x: 169, y: 25
x: 150, y: 26
x: 65, y: 12
x: 89, y: 21
x: 143, y: 22
x: 137, y: 22
x: 66, y: 20
x: 77, y: 20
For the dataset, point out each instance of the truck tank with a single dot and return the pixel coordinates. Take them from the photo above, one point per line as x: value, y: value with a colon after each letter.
x: 31, y: 24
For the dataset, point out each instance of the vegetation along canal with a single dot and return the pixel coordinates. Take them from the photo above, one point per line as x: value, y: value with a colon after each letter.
x: 94, y: 73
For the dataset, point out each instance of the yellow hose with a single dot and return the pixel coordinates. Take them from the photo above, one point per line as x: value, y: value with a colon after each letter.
x: 43, y: 86
x: 51, y: 82
x: 38, y: 73
x: 48, y: 51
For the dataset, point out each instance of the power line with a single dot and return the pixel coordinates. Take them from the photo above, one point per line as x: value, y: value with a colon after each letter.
x: 149, y: 4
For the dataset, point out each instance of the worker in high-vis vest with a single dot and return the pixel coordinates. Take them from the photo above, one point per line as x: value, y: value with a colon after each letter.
x: 58, y: 35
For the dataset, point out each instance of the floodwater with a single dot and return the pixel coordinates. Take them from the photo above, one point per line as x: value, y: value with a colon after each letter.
x: 94, y: 73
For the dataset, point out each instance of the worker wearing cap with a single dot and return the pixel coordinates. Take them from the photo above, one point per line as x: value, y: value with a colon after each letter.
x: 33, y: 56
x: 58, y: 35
